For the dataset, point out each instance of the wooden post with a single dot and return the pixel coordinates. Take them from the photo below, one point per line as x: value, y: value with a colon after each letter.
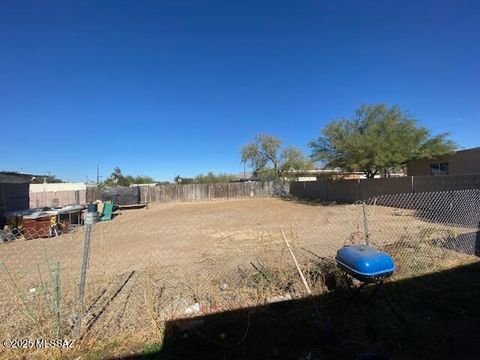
x: 296, y: 264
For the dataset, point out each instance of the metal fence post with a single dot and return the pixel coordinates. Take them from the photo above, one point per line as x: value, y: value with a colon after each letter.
x: 83, y: 273
x: 359, y: 190
x: 365, y: 223
x: 57, y: 298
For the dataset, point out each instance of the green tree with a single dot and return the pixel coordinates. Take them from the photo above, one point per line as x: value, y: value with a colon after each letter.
x: 268, y: 160
x: 378, y: 140
x: 209, y: 178
x: 212, y: 178
x: 143, y: 180
x: 118, y: 179
x: 184, y: 180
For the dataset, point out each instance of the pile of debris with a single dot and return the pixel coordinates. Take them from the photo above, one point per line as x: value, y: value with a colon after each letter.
x: 41, y: 222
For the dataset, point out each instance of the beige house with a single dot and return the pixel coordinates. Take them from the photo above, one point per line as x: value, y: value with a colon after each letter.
x: 57, y: 194
x: 461, y: 162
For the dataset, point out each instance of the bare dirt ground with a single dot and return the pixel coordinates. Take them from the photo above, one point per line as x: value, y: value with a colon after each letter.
x: 170, y: 251
x: 191, y: 235
x: 185, y: 234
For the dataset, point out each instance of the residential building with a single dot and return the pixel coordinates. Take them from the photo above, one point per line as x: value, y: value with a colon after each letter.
x: 460, y: 162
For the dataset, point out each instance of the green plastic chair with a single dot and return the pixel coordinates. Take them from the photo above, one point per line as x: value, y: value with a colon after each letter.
x: 107, y: 212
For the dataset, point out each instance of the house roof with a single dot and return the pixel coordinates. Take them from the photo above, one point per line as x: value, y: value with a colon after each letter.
x: 320, y: 172
x: 469, y: 150
x: 12, y: 177
x: 36, y: 188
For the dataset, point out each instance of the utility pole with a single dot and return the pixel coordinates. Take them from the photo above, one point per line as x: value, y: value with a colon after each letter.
x: 98, y: 175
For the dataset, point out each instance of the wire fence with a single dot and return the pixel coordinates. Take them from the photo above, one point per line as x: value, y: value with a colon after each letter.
x: 167, y: 261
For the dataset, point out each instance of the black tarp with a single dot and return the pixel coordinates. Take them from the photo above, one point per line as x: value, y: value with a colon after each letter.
x: 121, y: 195
x: 14, y: 197
x: 14, y: 193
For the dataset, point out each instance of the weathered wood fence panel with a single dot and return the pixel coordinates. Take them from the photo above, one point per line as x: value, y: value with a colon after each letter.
x: 191, y: 192
x: 162, y: 193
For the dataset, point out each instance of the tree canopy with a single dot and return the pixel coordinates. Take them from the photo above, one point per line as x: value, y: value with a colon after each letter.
x: 378, y: 139
x: 118, y: 179
x: 266, y: 157
x: 209, y: 178
x: 50, y: 179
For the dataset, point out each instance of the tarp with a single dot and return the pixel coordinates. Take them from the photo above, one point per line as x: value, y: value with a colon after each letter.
x: 121, y: 195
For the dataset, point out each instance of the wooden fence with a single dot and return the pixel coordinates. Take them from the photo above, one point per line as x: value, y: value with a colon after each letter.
x: 167, y: 193
x: 174, y: 192
x: 340, y: 190
x: 162, y: 193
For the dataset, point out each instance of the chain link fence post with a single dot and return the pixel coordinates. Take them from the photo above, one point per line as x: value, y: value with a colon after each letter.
x: 365, y: 223
x: 83, y: 273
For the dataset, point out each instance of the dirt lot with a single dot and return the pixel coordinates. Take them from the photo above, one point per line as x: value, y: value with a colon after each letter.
x: 169, y: 251
x: 185, y: 235
x: 188, y: 234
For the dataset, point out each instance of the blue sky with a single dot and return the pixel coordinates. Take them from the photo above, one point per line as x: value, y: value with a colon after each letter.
x: 178, y: 87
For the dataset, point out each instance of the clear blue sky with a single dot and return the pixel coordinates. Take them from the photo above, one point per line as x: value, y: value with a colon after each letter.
x: 177, y: 87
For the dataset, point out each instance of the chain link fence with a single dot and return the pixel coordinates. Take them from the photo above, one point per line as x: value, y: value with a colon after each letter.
x: 172, y: 260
